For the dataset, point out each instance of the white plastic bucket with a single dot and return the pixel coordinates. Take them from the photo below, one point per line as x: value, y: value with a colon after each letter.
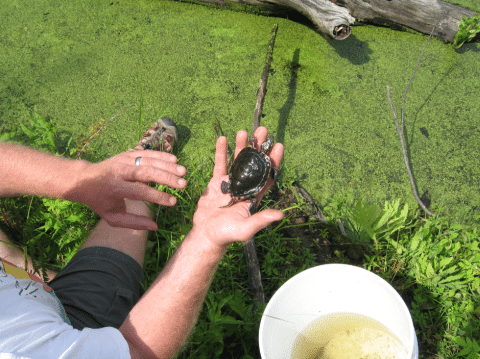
x: 328, y: 289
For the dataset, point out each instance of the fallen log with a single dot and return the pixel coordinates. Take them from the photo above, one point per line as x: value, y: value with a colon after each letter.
x: 335, y: 17
x: 420, y: 15
x: 330, y: 19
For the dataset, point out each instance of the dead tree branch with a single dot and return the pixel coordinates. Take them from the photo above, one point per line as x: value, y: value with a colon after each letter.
x: 400, y: 130
x: 249, y: 250
x: 334, y: 18
x: 262, y: 90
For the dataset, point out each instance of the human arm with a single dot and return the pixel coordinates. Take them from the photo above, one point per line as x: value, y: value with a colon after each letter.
x: 102, y: 186
x: 160, y: 322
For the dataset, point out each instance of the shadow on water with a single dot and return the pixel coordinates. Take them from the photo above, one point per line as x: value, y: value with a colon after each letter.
x: 184, y: 135
x: 352, y: 49
x: 424, y: 103
x: 293, y: 66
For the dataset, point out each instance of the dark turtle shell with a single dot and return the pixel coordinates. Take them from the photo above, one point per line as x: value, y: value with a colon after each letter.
x: 249, y: 173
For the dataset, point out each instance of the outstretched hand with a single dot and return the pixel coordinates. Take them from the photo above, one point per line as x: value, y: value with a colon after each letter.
x: 104, y: 186
x: 224, y: 225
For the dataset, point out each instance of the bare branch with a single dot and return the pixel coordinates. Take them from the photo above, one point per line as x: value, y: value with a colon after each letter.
x: 262, y: 90
x: 400, y: 130
x: 416, y: 68
x: 405, y: 157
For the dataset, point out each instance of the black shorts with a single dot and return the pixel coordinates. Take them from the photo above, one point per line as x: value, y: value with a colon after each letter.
x: 99, y: 287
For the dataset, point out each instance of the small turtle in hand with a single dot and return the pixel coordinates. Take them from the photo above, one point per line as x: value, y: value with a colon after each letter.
x: 249, y: 173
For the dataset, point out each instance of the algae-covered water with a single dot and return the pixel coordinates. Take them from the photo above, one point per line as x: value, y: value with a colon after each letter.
x: 78, y: 62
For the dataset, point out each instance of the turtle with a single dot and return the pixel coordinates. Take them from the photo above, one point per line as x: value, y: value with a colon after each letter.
x: 249, y: 173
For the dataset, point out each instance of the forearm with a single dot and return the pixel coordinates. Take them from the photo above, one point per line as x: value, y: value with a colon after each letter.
x: 161, y: 321
x: 27, y: 171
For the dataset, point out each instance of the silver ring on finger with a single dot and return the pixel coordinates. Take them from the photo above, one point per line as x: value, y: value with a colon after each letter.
x: 137, y: 161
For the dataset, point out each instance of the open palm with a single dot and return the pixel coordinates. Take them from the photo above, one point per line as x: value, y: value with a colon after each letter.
x: 224, y: 225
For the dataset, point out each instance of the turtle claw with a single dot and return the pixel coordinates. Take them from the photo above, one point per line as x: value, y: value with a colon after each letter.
x: 229, y: 204
x: 253, y: 206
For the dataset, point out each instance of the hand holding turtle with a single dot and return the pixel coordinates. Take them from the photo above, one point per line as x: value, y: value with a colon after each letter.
x: 223, y: 225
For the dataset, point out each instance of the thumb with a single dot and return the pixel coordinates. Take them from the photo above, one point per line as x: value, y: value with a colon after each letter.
x: 131, y: 221
x: 262, y: 219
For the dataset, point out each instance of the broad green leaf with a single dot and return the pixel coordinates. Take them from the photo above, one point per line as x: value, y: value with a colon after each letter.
x: 223, y: 301
x: 429, y: 270
x: 451, y: 278
x: 414, y: 243
x: 460, y: 341
x: 445, y: 261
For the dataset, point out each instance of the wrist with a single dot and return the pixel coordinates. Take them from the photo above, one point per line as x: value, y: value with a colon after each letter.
x: 75, y: 187
x: 199, y: 235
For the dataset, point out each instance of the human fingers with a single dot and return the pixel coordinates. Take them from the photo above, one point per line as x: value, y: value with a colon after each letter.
x: 276, y: 155
x: 143, y: 192
x: 220, y: 168
x: 147, y: 174
x: 170, y: 167
x: 129, y: 220
x: 260, y: 220
x: 241, y: 142
x: 160, y: 155
x: 260, y: 136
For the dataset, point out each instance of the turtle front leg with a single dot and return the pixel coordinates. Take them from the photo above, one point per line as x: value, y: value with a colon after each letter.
x: 253, y: 206
x: 274, y: 173
x: 225, y: 187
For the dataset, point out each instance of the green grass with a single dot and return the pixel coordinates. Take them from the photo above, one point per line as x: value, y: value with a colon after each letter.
x: 432, y: 262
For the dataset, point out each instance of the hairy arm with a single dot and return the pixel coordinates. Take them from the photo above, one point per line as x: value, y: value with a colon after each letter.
x: 27, y: 171
x: 103, y: 186
x: 161, y: 321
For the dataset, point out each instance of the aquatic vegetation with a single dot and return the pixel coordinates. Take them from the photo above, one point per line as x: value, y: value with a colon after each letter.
x: 467, y: 30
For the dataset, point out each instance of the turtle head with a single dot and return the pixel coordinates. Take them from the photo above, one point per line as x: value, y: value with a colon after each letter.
x: 266, y: 146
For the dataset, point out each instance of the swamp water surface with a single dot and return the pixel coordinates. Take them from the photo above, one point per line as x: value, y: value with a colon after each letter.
x: 78, y: 62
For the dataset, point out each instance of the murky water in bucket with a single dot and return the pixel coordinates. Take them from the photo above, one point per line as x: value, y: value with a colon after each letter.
x: 347, y: 336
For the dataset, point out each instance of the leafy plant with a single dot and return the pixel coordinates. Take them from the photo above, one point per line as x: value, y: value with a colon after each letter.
x: 370, y: 223
x: 468, y: 28
x: 39, y: 132
x: 471, y: 349
x: 227, y: 328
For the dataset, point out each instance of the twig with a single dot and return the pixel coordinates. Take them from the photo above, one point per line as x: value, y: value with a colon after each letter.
x: 99, y: 130
x: 401, y: 130
x: 316, y: 213
x: 262, y: 90
x: 249, y: 250
x: 254, y: 274
x: 405, y: 157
